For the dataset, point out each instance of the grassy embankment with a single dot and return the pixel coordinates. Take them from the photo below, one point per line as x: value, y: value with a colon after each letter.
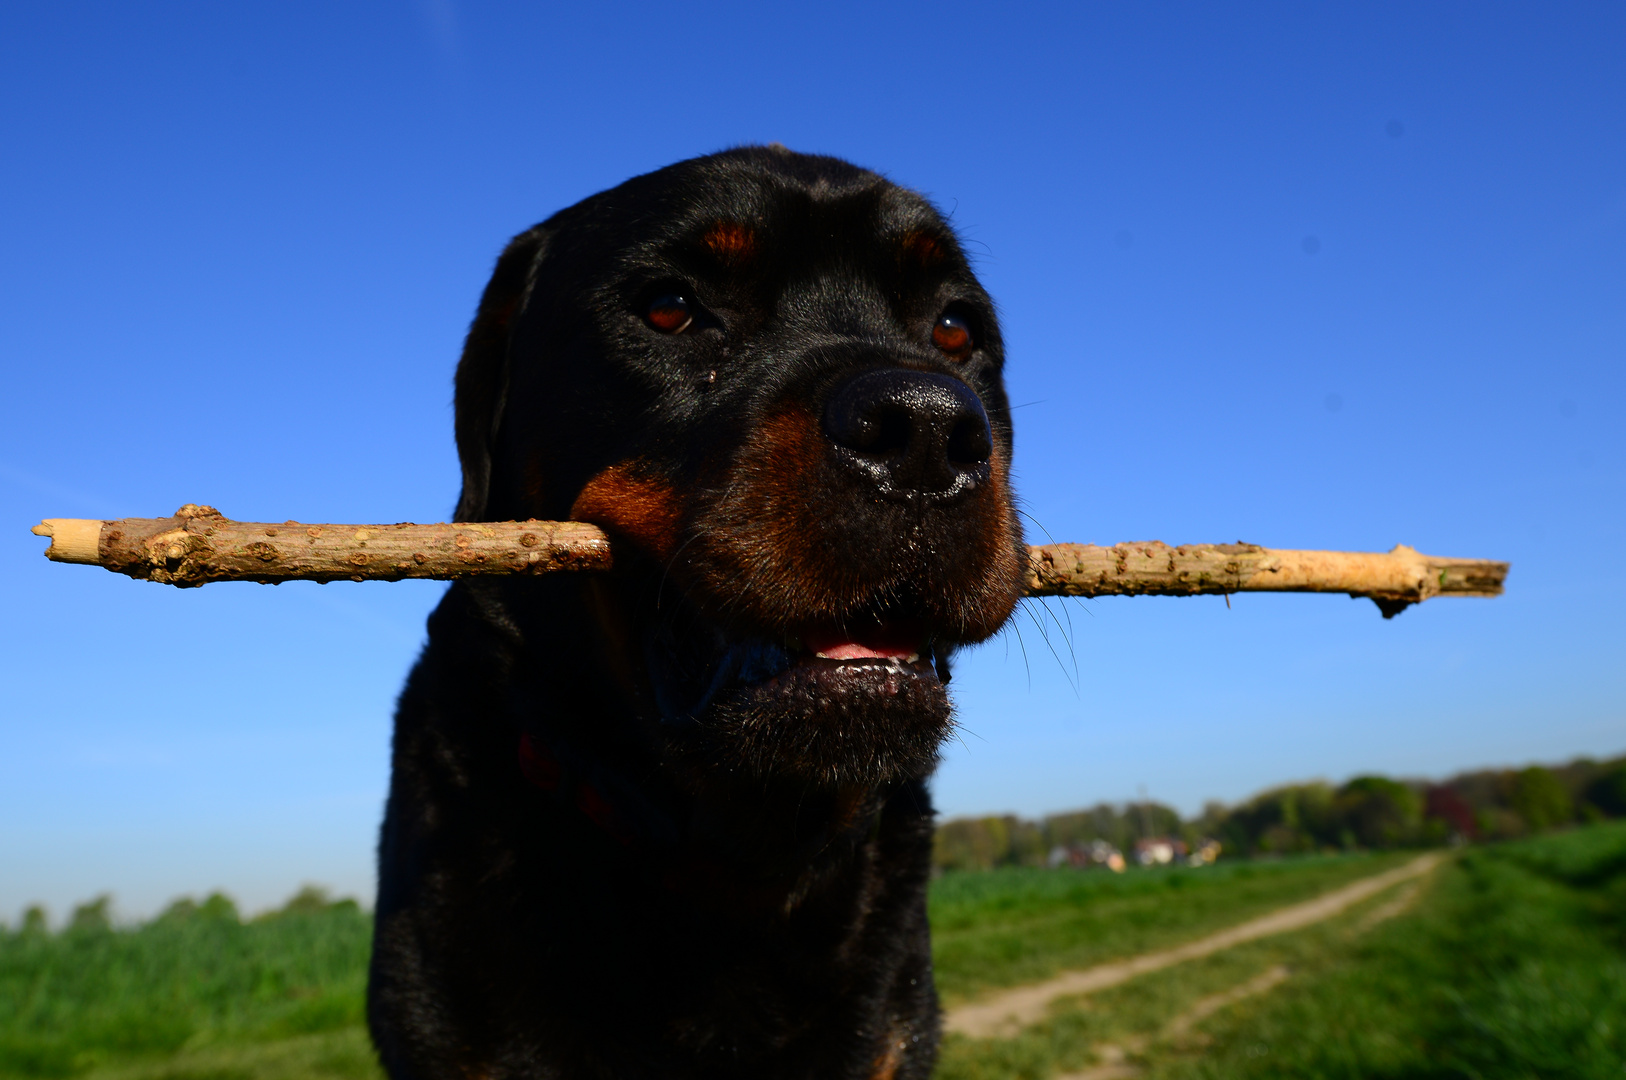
x: 1511, y: 962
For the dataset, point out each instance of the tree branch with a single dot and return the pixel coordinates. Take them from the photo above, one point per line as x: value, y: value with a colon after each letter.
x: 1393, y: 579
x: 199, y: 545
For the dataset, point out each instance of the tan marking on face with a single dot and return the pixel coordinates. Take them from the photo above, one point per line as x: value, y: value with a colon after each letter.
x: 762, y: 548
x: 731, y: 241
x: 641, y: 509
x: 921, y: 249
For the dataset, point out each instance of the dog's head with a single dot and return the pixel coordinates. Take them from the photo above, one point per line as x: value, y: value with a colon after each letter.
x: 775, y: 381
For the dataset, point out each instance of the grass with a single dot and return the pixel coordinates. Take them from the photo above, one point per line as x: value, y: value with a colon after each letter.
x: 334, y: 1055
x: 1516, y: 967
x: 195, y: 991
x: 1012, y: 926
x: 1511, y: 962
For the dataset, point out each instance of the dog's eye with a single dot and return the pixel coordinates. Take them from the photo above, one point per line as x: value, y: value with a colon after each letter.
x: 952, y: 334
x: 670, y: 314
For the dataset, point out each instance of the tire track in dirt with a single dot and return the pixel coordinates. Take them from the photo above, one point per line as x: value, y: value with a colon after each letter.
x: 1115, y: 1064
x: 1007, y: 1012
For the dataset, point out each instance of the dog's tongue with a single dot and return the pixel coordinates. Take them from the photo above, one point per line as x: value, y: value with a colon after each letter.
x: 879, y: 643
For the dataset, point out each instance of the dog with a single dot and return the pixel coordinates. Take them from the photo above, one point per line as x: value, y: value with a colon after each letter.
x: 671, y: 820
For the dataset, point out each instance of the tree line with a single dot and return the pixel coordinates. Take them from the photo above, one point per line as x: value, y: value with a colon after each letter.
x: 1367, y: 812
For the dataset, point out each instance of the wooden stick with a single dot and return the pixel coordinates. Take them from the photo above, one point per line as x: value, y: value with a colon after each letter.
x: 199, y: 545
x: 1392, y: 579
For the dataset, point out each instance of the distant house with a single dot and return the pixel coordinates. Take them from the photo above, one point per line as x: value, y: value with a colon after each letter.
x: 1084, y: 856
x: 1205, y: 853
x: 1158, y: 850
x: 1163, y: 850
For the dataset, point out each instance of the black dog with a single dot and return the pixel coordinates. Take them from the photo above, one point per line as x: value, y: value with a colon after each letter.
x: 671, y: 820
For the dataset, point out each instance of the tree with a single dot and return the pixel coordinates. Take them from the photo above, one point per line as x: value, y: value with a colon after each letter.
x: 1442, y: 803
x: 1379, y: 812
x: 1541, y: 799
x: 35, y: 922
x: 1608, y: 791
x: 1281, y: 821
x: 92, y: 916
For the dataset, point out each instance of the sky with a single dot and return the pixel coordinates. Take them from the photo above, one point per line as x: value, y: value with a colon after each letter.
x: 1322, y: 276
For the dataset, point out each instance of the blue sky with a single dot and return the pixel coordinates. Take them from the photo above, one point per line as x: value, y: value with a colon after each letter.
x: 1329, y: 275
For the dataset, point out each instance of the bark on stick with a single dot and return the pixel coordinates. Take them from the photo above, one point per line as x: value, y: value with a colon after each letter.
x: 1393, y: 579
x: 199, y: 545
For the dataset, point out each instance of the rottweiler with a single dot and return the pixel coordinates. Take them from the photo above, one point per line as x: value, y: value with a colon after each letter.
x: 672, y: 820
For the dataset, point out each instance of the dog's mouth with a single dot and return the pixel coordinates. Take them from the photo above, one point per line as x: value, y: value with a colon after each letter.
x: 695, y: 665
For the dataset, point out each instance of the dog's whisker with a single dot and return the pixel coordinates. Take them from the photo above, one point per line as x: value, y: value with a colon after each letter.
x: 1038, y: 624
x: 1068, y: 611
x: 1017, y: 630
x: 1064, y: 631
x: 1037, y: 522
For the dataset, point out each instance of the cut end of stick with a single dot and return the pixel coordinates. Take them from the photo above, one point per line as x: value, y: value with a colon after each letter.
x: 74, y: 540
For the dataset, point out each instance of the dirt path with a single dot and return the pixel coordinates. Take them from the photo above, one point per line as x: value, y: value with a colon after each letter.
x: 1005, y: 1013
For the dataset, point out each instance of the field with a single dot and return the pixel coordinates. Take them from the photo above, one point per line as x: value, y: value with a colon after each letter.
x: 1508, y: 961
x: 1505, y: 961
x: 998, y: 928
x: 195, y: 994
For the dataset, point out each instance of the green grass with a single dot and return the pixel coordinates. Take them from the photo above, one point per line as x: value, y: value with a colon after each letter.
x: 1511, y: 963
x: 1515, y: 967
x: 1011, y: 926
x: 194, y: 986
x: 334, y: 1055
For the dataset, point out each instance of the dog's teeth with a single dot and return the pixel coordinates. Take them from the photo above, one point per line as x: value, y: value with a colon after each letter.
x: 911, y: 658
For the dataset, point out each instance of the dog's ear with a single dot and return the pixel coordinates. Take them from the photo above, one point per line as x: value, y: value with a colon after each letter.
x: 482, y: 373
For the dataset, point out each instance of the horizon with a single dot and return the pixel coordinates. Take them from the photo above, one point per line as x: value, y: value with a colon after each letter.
x: 122, y: 921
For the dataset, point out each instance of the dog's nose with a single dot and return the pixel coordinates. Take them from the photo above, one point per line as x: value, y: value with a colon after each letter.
x: 913, y: 433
